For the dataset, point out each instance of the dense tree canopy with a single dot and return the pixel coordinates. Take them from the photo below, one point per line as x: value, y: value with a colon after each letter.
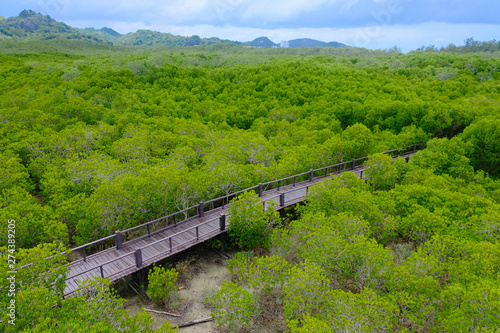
x: 107, y: 142
x: 98, y: 138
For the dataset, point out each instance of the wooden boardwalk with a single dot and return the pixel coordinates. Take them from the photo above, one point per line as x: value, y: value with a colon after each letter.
x: 133, y: 255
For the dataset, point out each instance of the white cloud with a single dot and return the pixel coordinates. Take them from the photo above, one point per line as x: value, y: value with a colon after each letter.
x: 280, y: 10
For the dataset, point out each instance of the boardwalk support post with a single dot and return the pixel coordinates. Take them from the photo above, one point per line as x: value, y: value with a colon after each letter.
x: 353, y: 164
x: 102, y: 272
x: 361, y: 175
x: 118, y: 240
x: 138, y: 258
x: 223, y: 242
x: 222, y: 222
x: 282, y: 204
x: 260, y: 190
x: 201, y: 209
x: 311, y: 175
x: 141, y: 277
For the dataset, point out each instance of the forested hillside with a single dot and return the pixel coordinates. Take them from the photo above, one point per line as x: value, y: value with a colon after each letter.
x: 94, y: 143
x: 34, y: 26
x: 30, y: 25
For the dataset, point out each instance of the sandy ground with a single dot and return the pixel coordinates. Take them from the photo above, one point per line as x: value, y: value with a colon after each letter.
x: 204, y: 277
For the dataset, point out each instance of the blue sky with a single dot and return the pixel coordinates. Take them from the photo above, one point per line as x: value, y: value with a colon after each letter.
x: 375, y: 24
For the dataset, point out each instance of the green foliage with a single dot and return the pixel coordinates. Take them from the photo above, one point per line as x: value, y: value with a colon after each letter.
x: 383, y: 172
x: 484, y: 136
x: 107, y: 138
x: 305, y: 291
x: 474, y: 307
x: 234, y: 306
x: 35, y: 223
x: 341, y: 247
x: 444, y: 156
x: 161, y: 282
x: 266, y: 273
x: 13, y: 173
x: 347, y: 193
x: 249, y: 223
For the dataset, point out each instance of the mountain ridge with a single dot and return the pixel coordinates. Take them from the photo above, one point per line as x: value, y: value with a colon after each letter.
x: 32, y: 25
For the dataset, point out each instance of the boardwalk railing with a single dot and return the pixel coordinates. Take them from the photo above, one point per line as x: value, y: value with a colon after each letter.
x: 138, y: 259
x: 149, y: 228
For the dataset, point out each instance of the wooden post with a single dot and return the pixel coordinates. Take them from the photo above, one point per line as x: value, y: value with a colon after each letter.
x: 84, y: 254
x: 170, y: 243
x: 361, y: 175
x: 353, y: 163
x: 223, y: 242
x: 311, y: 175
x: 222, y: 222
x: 141, y: 277
x: 260, y: 190
x: 102, y: 272
x: 202, y: 209
x: 197, y: 234
x: 282, y: 199
x: 138, y: 258
x: 118, y: 240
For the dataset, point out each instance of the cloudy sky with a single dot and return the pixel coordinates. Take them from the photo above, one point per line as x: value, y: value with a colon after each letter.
x: 375, y: 24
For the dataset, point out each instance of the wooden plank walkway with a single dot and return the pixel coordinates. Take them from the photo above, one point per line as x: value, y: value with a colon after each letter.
x: 146, y: 250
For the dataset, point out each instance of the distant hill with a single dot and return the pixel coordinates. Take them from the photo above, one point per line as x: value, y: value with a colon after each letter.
x: 307, y: 42
x: 105, y: 33
x: 152, y: 38
x: 261, y: 42
x: 32, y: 25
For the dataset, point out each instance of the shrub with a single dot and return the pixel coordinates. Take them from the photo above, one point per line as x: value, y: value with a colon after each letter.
x: 249, y: 223
x: 235, y: 307
x: 161, y: 283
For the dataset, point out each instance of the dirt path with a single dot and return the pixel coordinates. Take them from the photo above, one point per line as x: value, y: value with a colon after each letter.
x: 202, y: 278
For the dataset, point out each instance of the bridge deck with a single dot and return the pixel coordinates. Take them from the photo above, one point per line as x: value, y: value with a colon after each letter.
x: 115, y: 264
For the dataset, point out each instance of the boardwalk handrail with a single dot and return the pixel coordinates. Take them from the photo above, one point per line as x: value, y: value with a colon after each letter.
x: 159, y: 219
x: 176, y: 234
x: 100, y: 267
x: 200, y: 208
